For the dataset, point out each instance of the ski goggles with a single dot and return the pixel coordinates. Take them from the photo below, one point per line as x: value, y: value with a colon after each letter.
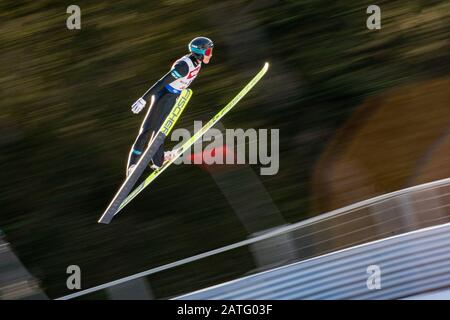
x: 208, y: 52
x: 205, y: 52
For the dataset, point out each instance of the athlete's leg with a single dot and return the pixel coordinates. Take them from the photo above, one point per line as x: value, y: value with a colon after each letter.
x: 168, y: 101
x: 145, y: 133
x: 150, y: 126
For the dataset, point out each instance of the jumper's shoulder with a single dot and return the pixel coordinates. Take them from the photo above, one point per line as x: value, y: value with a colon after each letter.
x: 180, y: 68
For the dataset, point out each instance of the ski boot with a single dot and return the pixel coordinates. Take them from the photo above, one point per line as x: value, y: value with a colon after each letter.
x: 131, y: 169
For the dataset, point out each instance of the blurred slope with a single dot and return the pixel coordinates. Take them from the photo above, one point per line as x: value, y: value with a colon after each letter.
x: 65, y: 124
x: 435, y: 162
x: 394, y: 140
x: 15, y: 280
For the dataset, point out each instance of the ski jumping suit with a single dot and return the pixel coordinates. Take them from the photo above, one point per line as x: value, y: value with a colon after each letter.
x: 166, y: 91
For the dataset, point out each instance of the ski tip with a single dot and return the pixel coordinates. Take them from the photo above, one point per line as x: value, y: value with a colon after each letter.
x: 104, y: 220
x: 266, y: 65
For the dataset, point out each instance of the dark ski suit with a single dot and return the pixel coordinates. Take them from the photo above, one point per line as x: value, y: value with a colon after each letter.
x: 165, y: 98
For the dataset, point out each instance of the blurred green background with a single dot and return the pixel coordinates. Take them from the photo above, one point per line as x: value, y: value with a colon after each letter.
x: 66, y: 125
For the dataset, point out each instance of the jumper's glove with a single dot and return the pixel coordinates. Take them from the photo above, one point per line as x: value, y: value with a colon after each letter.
x: 138, y: 105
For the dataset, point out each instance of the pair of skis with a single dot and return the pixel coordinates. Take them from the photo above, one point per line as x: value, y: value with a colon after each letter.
x: 123, y: 196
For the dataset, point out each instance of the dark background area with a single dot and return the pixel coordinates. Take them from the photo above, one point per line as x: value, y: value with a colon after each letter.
x: 66, y: 125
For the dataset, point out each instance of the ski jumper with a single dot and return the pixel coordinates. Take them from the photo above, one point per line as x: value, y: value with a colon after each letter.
x: 166, y: 91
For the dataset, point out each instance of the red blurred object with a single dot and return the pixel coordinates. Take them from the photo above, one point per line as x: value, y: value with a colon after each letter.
x: 219, y: 152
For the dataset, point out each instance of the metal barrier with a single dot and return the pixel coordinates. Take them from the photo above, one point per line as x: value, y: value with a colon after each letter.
x: 408, y: 264
x: 373, y: 219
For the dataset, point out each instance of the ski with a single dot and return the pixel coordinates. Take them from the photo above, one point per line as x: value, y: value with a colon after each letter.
x: 146, y: 157
x: 197, y: 135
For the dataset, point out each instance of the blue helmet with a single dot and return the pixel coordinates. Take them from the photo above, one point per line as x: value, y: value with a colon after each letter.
x: 200, y: 47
